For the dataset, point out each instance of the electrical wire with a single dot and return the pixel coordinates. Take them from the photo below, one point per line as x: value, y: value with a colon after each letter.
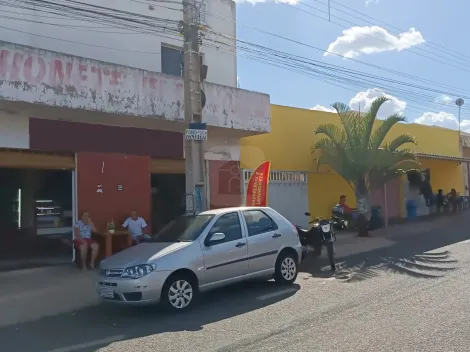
x: 413, y: 50
x: 428, y: 42
x: 292, y: 64
x: 98, y: 14
x: 331, y: 74
x: 370, y: 65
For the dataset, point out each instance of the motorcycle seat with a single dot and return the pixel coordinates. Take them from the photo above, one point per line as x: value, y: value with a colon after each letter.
x: 301, y: 229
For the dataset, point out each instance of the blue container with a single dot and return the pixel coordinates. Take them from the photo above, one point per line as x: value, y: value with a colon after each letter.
x: 355, y: 215
x: 411, y: 209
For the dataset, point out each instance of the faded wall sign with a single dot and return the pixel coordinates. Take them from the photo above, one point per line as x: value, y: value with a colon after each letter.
x: 39, y: 76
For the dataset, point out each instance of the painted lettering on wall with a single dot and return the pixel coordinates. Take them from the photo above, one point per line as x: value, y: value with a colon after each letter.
x: 73, y: 72
x: 40, y: 76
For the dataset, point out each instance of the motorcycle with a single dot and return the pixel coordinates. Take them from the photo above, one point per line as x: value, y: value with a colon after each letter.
x: 339, y: 223
x: 320, y: 234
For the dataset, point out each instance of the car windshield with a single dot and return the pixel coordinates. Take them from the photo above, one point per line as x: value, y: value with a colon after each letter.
x: 183, y: 229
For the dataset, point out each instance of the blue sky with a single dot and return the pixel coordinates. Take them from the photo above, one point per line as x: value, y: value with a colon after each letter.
x: 433, y: 24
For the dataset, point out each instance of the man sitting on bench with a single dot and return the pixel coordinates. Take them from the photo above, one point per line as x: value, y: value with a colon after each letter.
x: 136, y: 226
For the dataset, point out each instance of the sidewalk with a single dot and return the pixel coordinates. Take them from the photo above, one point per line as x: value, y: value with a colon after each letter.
x: 349, y: 244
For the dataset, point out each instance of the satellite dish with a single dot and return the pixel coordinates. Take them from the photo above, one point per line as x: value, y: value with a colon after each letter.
x: 459, y: 102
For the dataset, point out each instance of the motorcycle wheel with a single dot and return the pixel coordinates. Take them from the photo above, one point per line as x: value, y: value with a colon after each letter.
x: 330, y: 248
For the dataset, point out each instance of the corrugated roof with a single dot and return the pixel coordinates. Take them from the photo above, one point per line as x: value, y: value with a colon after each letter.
x: 443, y: 157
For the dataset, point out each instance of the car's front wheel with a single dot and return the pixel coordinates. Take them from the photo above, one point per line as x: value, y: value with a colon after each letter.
x: 286, y: 269
x: 179, y: 292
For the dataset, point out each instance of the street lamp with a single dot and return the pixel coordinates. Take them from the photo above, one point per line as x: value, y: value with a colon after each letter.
x: 459, y: 102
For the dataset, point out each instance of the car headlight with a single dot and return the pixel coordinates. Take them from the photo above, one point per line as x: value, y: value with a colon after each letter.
x: 325, y: 228
x: 138, y: 271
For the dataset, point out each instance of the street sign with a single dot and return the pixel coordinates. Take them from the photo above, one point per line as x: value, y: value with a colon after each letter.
x: 195, y: 135
x: 189, y: 203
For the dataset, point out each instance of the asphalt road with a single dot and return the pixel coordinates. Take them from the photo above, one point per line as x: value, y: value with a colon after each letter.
x: 413, y: 296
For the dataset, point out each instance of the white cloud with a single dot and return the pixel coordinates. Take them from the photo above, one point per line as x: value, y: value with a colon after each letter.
x: 443, y: 119
x: 369, y: 40
x: 322, y: 108
x: 444, y: 99
x: 465, y: 126
x: 363, y: 100
x: 371, y: 2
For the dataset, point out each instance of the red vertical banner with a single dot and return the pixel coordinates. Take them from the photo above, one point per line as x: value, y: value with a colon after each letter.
x: 257, y: 188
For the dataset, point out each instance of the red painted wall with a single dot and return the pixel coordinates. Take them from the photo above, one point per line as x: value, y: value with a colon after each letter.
x: 84, y: 137
x: 393, y: 198
x: 225, y: 186
x: 109, y: 171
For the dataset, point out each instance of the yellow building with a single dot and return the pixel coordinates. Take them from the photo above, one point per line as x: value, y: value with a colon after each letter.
x: 288, y: 147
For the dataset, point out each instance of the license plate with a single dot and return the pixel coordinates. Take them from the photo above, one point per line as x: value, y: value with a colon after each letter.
x: 106, y: 292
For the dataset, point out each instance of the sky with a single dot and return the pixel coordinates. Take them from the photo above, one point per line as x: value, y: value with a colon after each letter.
x: 423, y: 41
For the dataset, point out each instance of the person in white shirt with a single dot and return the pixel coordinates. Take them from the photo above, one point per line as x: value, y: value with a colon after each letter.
x: 136, y: 226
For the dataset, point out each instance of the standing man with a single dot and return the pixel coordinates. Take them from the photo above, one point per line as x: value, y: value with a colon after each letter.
x: 136, y: 226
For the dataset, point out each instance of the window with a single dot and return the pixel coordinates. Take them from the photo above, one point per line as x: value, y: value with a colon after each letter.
x: 229, y: 225
x: 202, y: 11
x: 258, y: 222
x: 172, y: 61
x: 183, y: 229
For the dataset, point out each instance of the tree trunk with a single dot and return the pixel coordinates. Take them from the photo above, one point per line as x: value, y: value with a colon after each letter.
x: 363, y: 208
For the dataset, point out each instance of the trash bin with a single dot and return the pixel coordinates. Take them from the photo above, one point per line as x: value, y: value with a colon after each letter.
x: 375, y: 217
x: 411, y: 209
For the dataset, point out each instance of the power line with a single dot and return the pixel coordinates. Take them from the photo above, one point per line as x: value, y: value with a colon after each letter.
x: 79, y: 43
x: 458, y: 90
x: 428, y: 42
x: 373, y: 24
x: 411, y: 50
x: 330, y: 78
x: 91, y: 13
x: 329, y: 73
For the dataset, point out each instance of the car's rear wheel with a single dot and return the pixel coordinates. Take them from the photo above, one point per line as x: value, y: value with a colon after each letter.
x: 286, y: 269
x: 179, y: 292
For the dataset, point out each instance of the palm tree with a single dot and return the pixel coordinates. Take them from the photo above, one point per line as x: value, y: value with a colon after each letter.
x: 359, y: 154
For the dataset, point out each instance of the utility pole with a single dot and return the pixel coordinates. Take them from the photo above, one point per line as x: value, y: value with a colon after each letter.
x: 459, y: 102
x: 196, y: 131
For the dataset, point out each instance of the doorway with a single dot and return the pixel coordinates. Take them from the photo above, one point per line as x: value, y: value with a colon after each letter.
x: 36, y: 216
x: 168, y: 198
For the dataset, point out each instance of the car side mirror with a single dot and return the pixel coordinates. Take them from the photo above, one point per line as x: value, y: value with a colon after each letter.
x: 307, y: 213
x: 216, y: 237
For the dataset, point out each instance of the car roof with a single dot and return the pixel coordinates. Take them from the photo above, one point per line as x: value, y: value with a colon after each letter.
x: 232, y: 209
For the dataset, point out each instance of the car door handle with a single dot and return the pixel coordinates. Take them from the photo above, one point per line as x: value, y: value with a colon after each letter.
x: 276, y: 235
x: 240, y: 244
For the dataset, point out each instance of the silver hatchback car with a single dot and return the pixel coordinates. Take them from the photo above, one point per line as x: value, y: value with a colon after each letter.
x: 196, y: 253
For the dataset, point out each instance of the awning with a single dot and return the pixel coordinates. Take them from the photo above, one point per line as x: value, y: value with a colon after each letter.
x: 443, y: 157
x: 27, y: 159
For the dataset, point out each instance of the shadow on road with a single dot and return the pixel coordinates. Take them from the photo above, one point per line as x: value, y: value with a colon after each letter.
x: 418, y: 256
x: 96, y: 327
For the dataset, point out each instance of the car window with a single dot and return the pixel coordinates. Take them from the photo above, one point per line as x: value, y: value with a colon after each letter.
x: 229, y: 225
x: 183, y: 228
x: 258, y: 222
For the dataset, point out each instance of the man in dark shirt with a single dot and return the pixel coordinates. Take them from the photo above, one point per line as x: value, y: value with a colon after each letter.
x: 440, y: 200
